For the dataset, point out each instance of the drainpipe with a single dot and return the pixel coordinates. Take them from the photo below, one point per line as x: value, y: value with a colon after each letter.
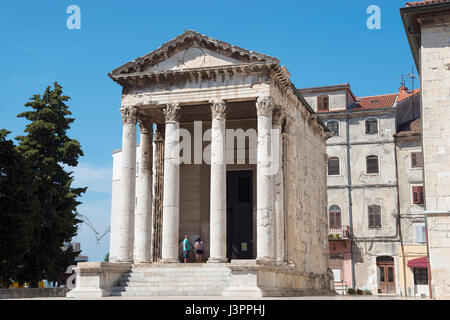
x: 399, y: 219
x: 350, y: 203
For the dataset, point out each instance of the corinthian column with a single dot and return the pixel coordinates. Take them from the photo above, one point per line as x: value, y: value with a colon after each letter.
x: 143, y: 215
x: 171, y: 193
x: 127, y: 185
x: 265, y: 248
x: 218, y: 213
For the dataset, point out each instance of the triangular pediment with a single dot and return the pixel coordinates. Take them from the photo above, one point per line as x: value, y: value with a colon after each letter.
x: 189, y: 51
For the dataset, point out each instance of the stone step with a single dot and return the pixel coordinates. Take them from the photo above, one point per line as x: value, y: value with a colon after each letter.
x: 177, y: 279
x: 168, y: 290
x: 165, y: 283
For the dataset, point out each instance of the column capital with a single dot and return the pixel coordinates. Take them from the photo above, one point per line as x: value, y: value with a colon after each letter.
x: 129, y: 115
x: 158, y: 135
x: 172, y: 112
x: 218, y: 109
x: 264, y: 106
x: 145, y: 124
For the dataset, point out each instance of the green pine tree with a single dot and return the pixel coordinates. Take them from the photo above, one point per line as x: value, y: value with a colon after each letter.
x: 17, y: 207
x: 48, y: 150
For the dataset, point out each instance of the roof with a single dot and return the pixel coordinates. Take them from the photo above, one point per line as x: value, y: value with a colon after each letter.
x: 424, y: 3
x: 376, y: 102
x: 410, y: 13
x: 406, y: 94
x: 186, y: 40
x: 410, y: 128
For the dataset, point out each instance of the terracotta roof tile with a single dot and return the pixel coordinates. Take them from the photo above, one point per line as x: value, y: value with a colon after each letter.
x: 376, y: 102
x: 424, y: 3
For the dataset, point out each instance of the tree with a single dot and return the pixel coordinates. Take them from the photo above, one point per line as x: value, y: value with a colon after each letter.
x: 17, y: 207
x: 107, y: 257
x: 48, y: 150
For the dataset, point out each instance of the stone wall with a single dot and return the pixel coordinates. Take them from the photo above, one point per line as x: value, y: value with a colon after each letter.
x: 435, y: 77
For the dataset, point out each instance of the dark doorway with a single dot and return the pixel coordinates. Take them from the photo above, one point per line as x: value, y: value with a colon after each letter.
x: 240, y: 214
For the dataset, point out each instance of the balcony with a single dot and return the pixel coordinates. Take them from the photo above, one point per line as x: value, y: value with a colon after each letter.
x: 338, y: 233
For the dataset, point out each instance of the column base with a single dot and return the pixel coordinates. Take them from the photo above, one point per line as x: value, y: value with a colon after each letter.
x: 217, y: 260
x: 169, y: 260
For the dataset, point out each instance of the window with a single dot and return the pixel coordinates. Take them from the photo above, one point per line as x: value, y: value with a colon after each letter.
x: 336, y: 275
x: 417, y: 193
x: 416, y: 160
x: 419, y: 233
x: 323, y: 103
x: 372, y: 164
x: 333, y: 126
x: 420, y: 276
x: 333, y: 166
x: 371, y: 126
x: 335, y: 217
x: 374, y: 216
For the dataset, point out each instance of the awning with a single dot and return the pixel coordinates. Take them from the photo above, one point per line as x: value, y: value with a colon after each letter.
x: 418, y: 262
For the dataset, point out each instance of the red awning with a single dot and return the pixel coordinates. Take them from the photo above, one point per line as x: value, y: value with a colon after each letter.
x: 418, y: 262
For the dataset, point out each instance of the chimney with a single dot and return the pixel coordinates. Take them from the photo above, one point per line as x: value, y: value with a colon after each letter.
x: 403, y: 89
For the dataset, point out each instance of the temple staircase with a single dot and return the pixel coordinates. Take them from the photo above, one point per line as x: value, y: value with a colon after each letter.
x: 178, y: 279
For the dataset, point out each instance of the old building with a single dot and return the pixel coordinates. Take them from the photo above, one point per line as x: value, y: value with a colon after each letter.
x: 363, y: 203
x: 260, y: 206
x: 427, y: 27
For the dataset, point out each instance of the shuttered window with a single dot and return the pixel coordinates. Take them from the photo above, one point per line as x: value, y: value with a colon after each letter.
x: 333, y: 126
x: 335, y: 217
x: 417, y: 193
x: 416, y: 160
x: 323, y: 103
x: 372, y: 164
x: 371, y: 126
x: 333, y: 166
x: 374, y: 216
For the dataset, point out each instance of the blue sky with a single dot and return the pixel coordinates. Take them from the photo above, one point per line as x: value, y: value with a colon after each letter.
x: 320, y: 42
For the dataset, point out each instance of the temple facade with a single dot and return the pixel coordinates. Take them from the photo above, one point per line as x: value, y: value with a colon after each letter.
x: 229, y: 151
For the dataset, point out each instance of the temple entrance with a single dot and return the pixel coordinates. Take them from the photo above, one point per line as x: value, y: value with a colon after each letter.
x: 240, y: 214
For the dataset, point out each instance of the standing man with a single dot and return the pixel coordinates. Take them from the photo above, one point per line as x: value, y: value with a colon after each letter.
x: 186, y: 248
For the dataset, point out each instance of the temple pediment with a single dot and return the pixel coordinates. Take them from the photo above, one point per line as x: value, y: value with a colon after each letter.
x: 191, y: 50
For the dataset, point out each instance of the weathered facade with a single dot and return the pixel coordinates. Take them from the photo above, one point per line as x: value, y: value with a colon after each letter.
x: 427, y: 25
x: 260, y: 207
x: 363, y: 197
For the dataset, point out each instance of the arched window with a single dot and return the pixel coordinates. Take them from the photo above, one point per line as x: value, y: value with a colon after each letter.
x: 335, y: 217
x: 333, y: 166
x: 333, y: 125
x: 371, y: 126
x: 323, y: 103
x: 374, y: 216
x: 372, y: 165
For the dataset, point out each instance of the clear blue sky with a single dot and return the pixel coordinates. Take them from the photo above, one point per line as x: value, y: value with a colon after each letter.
x: 320, y: 42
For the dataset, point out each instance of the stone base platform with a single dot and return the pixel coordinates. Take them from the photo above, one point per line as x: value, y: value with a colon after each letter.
x: 245, y: 278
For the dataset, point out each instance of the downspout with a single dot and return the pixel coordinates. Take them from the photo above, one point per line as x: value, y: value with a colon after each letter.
x: 399, y: 220
x: 350, y: 203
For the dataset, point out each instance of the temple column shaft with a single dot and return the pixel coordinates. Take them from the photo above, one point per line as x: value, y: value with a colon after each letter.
x: 278, y: 190
x: 265, y: 247
x: 143, y: 215
x: 127, y: 185
x: 171, y: 190
x: 218, y: 197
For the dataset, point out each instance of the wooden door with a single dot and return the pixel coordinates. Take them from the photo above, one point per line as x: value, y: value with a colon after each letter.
x: 387, y: 277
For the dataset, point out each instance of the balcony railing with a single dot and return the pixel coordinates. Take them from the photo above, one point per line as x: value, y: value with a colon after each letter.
x: 337, y: 233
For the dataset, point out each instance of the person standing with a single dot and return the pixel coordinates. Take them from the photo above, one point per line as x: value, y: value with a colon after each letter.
x: 199, y: 249
x: 186, y: 248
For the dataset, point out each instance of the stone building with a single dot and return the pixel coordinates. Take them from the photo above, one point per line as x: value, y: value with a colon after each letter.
x: 363, y: 196
x: 260, y: 207
x: 427, y: 27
